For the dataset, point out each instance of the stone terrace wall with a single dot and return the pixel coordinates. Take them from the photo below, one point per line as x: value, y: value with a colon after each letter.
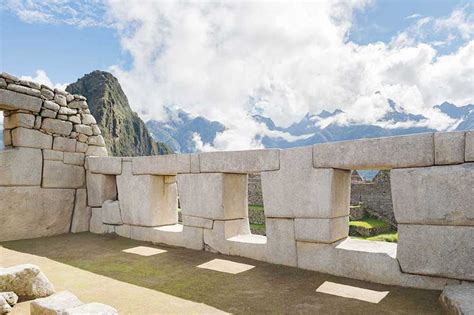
x: 47, y: 134
x: 306, y: 192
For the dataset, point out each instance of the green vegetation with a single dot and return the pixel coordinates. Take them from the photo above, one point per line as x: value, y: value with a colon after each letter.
x: 369, y: 223
x: 258, y: 229
x: 256, y: 207
x: 386, y: 237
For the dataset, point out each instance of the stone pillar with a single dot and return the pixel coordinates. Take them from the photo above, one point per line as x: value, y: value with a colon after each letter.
x: 303, y: 204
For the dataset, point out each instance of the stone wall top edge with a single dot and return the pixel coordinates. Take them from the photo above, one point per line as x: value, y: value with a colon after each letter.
x: 414, y: 135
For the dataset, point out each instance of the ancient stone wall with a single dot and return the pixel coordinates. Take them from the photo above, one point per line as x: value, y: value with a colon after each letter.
x: 47, y: 135
x: 255, y: 190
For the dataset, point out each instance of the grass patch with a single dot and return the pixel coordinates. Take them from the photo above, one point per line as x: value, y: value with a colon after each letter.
x: 369, y: 223
x: 386, y: 237
x: 256, y: 207
x: 258, y: 229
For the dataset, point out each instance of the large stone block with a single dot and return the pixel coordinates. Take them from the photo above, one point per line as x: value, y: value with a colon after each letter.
x: 91, y: 308
x: 19, y: 120
x: 23, y: 137
x: 197, y: 222
x: 379, y: 153
x: 240, y: 161
x: 26, y: 281
x: 469, y: 150
x: 105, y: 165
x: 54, y: 304
x: 23, y: 207
x: 20, y: 167
x: 458, y: 299
x: 434, y: 195
x: 306, y: 193
x: 100, y: 188
x: 56, y: 174
x: 57, y: 126
x: 96, y: 225
x: 436, y: 250
x: 363, y: 260
x: 321, y: 230
x: 74, y: 158
x: 82, y: 213
x: 93, y: 150
x: 281, y: 242
x: 213, y: 195
x: 170, y: 164
x: 64, y: 144
x: 449, y: 147
x: 111, y: 212
x: 146, y: 200
x: 173, y: 235
x: 296, y: 158
x: 10, y: 100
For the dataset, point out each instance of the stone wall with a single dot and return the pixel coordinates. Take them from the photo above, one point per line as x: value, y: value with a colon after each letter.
x: 255, y: 190
x: 47, y: 135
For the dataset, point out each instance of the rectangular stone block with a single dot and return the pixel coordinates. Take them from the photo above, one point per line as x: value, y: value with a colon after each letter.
x: 19, y: 120
x: 170, y: 164
x: 74, y: 158
x: 306, y: 193
x: 20, y: 167
x: 53, y: 155
x: 93, y: 150
x: 378, y: 153
x: 434, y: 195
x: 111, y: 212
x: 251, y: 161
x: 469, y: 150
x: 23, y: 208
x: 23, y: 137
x: 213, y: 195
x: 100, y: 188
x: 146, y: 200
x: 195, y: 167
x: 82, y: 213
x: 449, y: 148
x: 436, y: 250
x: 7, y: 137
x: 322, y: 230
x: 105, y: 165
x: 10, y: 100
x: 95, y: 225
x: 57, y: 126
x: 197, y: 222
x: 59, y: 175
x: 281, y: 242
x: 64, y: 144
x: 296, y: 158
x: 173, y: 235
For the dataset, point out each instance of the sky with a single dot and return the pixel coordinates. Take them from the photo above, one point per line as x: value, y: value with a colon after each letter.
x: 229, y: 60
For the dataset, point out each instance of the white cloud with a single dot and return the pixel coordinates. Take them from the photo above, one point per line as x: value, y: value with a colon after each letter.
x: 42, y: 77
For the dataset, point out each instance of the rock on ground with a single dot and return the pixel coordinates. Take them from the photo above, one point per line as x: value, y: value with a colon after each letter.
x: 54, y: 304
x: 27, y: 281
x: 4, y: 306
x: 10, y: 297
x: 458, y: 299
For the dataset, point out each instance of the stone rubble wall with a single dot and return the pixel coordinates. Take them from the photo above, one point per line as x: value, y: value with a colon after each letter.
x: 306, y: 192
x: 47, y: 135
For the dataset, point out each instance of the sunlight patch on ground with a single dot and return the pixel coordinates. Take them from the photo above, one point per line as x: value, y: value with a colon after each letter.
x: 352, y: 292
x: 226, y: 266
x: 144, y: 251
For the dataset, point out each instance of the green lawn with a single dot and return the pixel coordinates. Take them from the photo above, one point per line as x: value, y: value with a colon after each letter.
x: 369, y: 223
x: 256, y: 207
x: 387, y: 237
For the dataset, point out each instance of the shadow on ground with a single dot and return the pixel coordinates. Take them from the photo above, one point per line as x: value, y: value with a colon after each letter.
x: 266, y: 288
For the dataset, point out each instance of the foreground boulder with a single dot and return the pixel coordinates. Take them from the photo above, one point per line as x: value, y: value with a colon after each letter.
x: 66, y: 303
x: 458, y: 299
x: 27, y: 281
x: 91, y: 308
x: 10, y: 297
x: 4, y: 306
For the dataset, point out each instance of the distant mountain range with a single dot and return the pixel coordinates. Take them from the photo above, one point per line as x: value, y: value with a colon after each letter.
x: 178, y: 129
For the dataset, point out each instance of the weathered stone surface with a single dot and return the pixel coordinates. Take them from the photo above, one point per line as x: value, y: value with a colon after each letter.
x: 281, y: 243
x: 96, y: 140
x: 27, y: 281
x: 78, y: 104
x: 24, y: 89
x: 240, y: 161
x: 81, y: 147
x: 296, y: 158
x: 38, y: 121
x: 379, y: 153
x: 82, y: 213
x: 19, y: 120
x: 67, y: 111
x: 51, y: 105
x: 74, y: 158
x: 4, y: 306
x: 364, y: 260
x: 171, y: 164
x: 458, y: 299
x: 146, y: 200
x: 20, y: 167
x: 60, y: 99
x: 111, y: 212
x: 55, y: 304
x: 23, y: 207
x: 48, y: 94
x: 64, y: 144
x: 95, y: 130
x: 10, y: 297
x: 88, y: 119
x: 449, y: 147
x: 23, y: 137
x: 197, y: 222
x: 9, y: 77
x: 96, y: 226
x: 321, y: 230
x: 105, y: 165
x: 31, y: 84
x: 469, y: 151
x: 53, y: 155
x: 57, y: 126
x: 91, y: 308
x: 213, y: 195
x: 7, y: 137
x: 74, y: 119
x: 100, y: 188
x: 174, y: 235
x: 87, y: 130
x: 194, y: 159
x: 436, y: 250
x: 93, y: 150
x: 47, y: 113
x: 306, y: 193
x: 434, y: 195
x: 59, y: 175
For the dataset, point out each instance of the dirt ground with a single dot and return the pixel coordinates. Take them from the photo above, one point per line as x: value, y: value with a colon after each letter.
x: 264, y: 289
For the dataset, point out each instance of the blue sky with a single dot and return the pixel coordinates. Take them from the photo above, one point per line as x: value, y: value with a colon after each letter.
x: 290, y: 57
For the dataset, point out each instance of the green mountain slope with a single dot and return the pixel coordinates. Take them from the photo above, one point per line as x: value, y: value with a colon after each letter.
x: 124, y: 132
